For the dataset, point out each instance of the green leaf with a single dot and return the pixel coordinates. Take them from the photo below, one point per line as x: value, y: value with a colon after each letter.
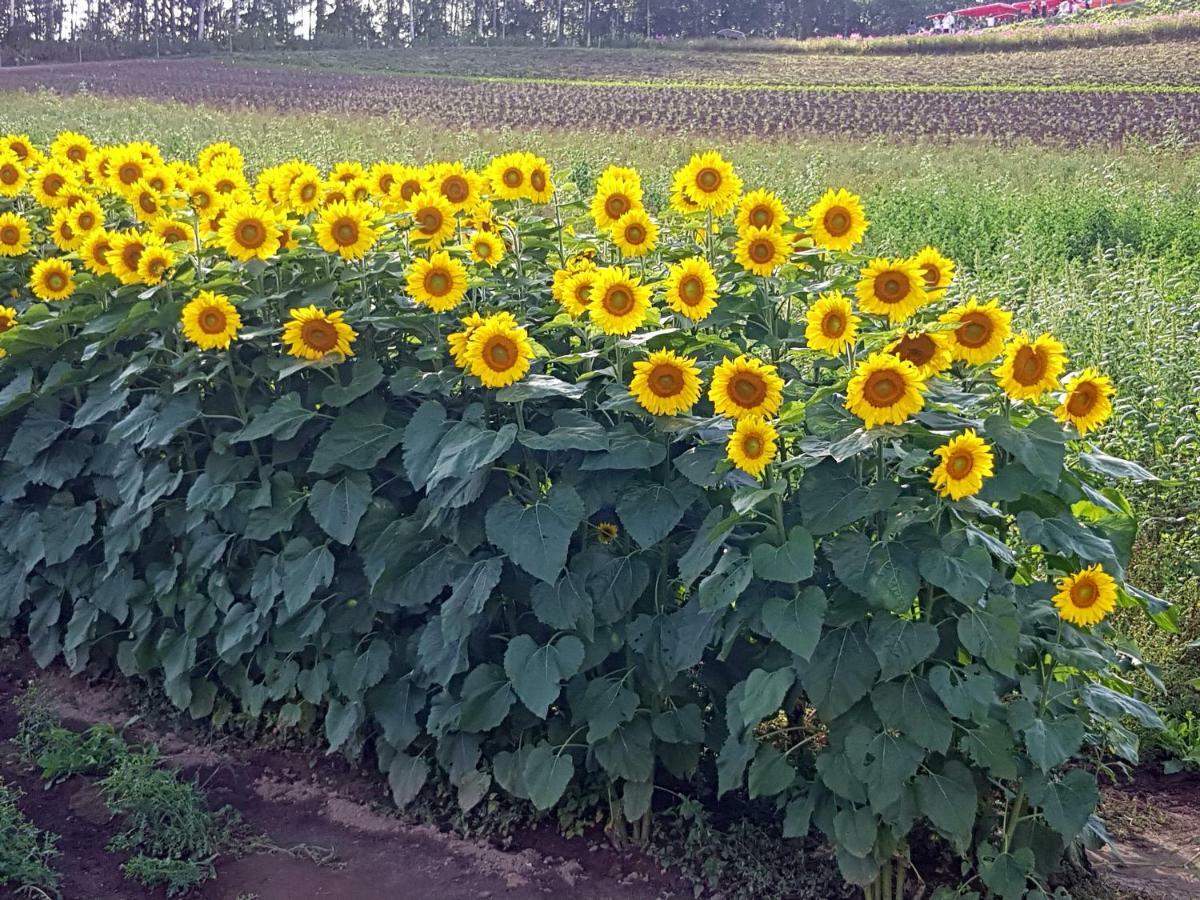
x: 965, y: 575
x: 102, y: 400
x: 798, y: 816
x: 1051, y: 742
x: 67, y: 528
x: 536, y: 672
x: 627, y: 753
x: 626, y: 450
x: 650, y: 512
x: 395, y: 706
x: 487, y: 697
x: 991, y: 747
x: 842, y: 670
x: 306, y: 570
x: 1067, y: 803
x: 990, y: 629
x: 770, y: 773
x: 709, y: 536
x: 885, y: 762
x: 337, y: 506
x: 856, y: 830
x: 471, y: 592
x: 176, y: 414
x: 537, y: 387
x: 635, y: 799
x: 1005, y: 874
x: 912, y: 708
x: 949, y: 798
x: 467, y: 449
x: 830, y: 499
x: 900, y: 644
x: 565, y: 605
x: 38, y: 430
x: 356, y: 440
x: 546, y: 773
x: 764, y: 693
x: 883, y: 572
x: 1113, y: 466
x: 341, y: 721
x: 365, y: 376
x: 679, y: 725
x: 731, y: 575
x: 421, y: 436
x: 1066, y: 536
x: 1040, y: 447
x: 796, y: 623
x: 572, y: 431
x: 536, y: 537
x: 281, y: 421
x: 406, y: 777
x: 605, y: 705
x: 791, y: 563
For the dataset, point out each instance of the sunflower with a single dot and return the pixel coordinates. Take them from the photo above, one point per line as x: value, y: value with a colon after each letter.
x: 541, y: 181
x: 831, y: 325
x: 358, y: 191
x: 752, y: 445
x: 50, y: 184
x: 665, y: 384
x: 210, y: 321
x: 307, y: 192
x: 982, y: 329
x: 126, y: 168
x: 891, y: 287
x: 1031, y: 366
x: 745, y: 387
x: 928, y: 351
x: 347, y: 229
x: 937, y: 270
x: 14, y: 234
x: 885, y: 390
x: 458, y: 340
x: 1087, y: 404
x: 12, y: 174
x: 314, y: 334
x: 52, y: 279
x: 408, y: 181
x: 125, y: 251
x: 346, y: 171
x: 692, y: 288
x: 760, y: 209
x: 433, y: 219
x: 619, y: 300
x: 145, y: 201
x: 8, y: 321
x: 486, y: 247
x: 576, y: 263
x: 172, y: 231
x: 202, y: 195
x: 681, y: 200
x: 635, y: 233
x: 836, y: 221
x: 966, y: 460
x: 499, y: 351
x: 160, y: 179
x: 761, y: 250
x: 220, y: 155
x: 439, y: 282
x: 607, y: 532
x: 72, y: 148
x: 459, y: 186
x: 19, y: 145
x: 615, y: 195
x: 577, y: 290
x: 86, y: 217
x: 94, y: 252
x: 229, y: 182
x: 62, y: 233
x: 1086, y: 597
x: 154, y: 262
x: 249, y: 232
x: 711, y: 182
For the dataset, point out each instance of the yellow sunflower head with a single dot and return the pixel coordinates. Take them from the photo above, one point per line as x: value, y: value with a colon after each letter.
x: 619, y: 301
x: 172, y: 231
x: 578, y: 290
x: 220, y: 155
x: 486, y: 247
x: 145, y: 201
x: 760, y: 209
x: 125, y: 254
x: 230, y: 183
x: 249, y: 231
x: 72, y: 148
x: 891, y: 287
x: 127, y: 166
x: 980, y: 330
x: 19, y: 145
x: 830, y: 324
x: 666, y: 384
x: 541, y: 180
x: 498, y: 351
x: 14, y: 234
x: 1031, y: 366
x: 52, y: 182
x: 95, y: 251
x: 885, y: 390
x: 752, y: 445
x: 507, y: 176
x: 937, y: 270
x: 711, y: 183
x: 52, y: 279
x: 928, y: 351
x: 635, y: 233
x: 966, y: 460
x: 761, y: 250
x: 156, y: 260
x: 458, y: 340
x: 692, y: 288
x: 314, y: 334
x: 346, y: 171
x: 1086, y: 597
x: 202, y: 195
x: 459, y: 186
x: 433, y: 219
x: 439, y: 282
x: 837, y: 221
x: 746, y: 386
x: 12, y: 174
x: 62, y: 232
x: 210, y: 321
x: 408, y: 181
x: 347, y: 229
x: 607, y: 532
x: 86, y: 217
x: 615, y: 196
x: 681, y: 201
x: 307, y: 191
x: 1087, y: 403
x: 8, y: 318
x: 382, y: 177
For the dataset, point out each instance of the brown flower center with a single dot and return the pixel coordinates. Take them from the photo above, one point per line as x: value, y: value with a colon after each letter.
x: 53, y: 183
x: 386, y: 180
x: 438, y: 282
x: 10, y: 235
x: 147, y: 203
x: 56, y: 281
x: 483, y: 249
x: 9, y: 174
x: 1084, y: 594
x: 618, y: 301
x: 691, y: 290
x: 752, y: 446
x: 891, y: 287
x: 513, y: 177
x: 212, y: 321
x: 761, y: 217
x: 455, y: 189
x: 837, y: 221
x: 129, y: 173
x: 833, y: 325
x: 883, y: 388
x: 583, y: 292
x: 635, y: 234
x: 1029, y: 366
x: 100, y: 252
x: 308, y: 192
x: 747, y: 389
x: 537, y: 179
x: 76, y: 153
x: 1083, y: 398
x: 762, y: 251
x: 132, y: 255
x: 409, y: 188
x: 708, y: 180
x: 932, y: 274
x: 960, y: 465
x: 975, y: 330
x: 251, y: 234
x: 665, y: 380
x: 5, y: 323
x: 431, y: 220
x: 345, y: 232
x: 65, y: 232
x: 917, y: 349
x: 86, y: 220
x: 500, y: 353
x: 173, y: 234
x: 616, y: 205
x: 319, y: 335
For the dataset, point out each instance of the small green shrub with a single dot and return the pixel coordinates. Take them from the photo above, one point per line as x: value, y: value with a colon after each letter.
x: 1181, y: 738
x: 178, y: 876
x: 26, y: 851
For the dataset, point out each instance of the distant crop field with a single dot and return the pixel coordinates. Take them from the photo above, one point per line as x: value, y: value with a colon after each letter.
x: 1065, y: 115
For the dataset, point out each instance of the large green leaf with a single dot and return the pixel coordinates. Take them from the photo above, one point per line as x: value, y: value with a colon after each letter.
x: 337, y: 506
x: 912, y: 708
x: 709, y: 536
x: 883, y: 572
x: 406, y: 777
x: 606, y: 704
x: 537, y: 672
x: 990, y: 629
x: 565, y: 605
x: 67, y: 528
x: 649, y: 512
x: 770, y: 773
x: 764, y: 692
x: 546, y: 773
x: 1066, y: 536
x: 796, y: 622
x: 724, y: 584
x: 365, y: 376
x: 949, y: 798
x: 572, y: 431
x: 536, y: 537
x: 627, y: 752
x: 306, y: 570
x: 487, y: 696
x: 1051, y: 742
x: 358, y: 439
x: 395, y: 705
x: 1040, y: 447
x: 790, y: 563
x: 626, y: 450
x: 964, y: 574
x: 37, y: 431
x: 884, y: 761
x: 281, y: 421
x: 1065, y: 803
x: 831, y: 499
x: 856, y: 830
x: 900, y: 644
x: 843, y: 669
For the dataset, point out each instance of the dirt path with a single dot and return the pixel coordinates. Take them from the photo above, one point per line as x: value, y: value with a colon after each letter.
x: 331, y: 841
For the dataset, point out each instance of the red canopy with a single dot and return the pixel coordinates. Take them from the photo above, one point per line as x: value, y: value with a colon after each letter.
x: 997, y: 10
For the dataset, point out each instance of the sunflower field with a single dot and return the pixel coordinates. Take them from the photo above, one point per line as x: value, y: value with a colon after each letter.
x: 522, y: 480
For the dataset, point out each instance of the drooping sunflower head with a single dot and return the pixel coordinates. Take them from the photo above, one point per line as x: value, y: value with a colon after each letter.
x: 711, y: 183
x: 666, y: 384
x: 52, y: 279
x: 752, y: 445
x: 980, y: 332
x: 1031, y: 366
x: 615, y: 196
x: 210, y: 321
x: 928, y: 351
x: 1086, y: 597
x: 1087, y: 403
x: 19, y: 145
x: 885, y: 390
x: 14, y: 234
x: 72, y: 148
x: 746, y: 386
x: 498, y: 351
x: 760, y: 209
x: 578, y: 290
x: 966, y: 460
x: 486, y: 247
x: 458, y: 340
x: 619, y: 301
x: 155, y: 261
x: 891, y: 287
x: 837, y: 221
x: 12, y: 174
x: 635, y: 233
x: 249, y: 231
x: 347, y: 229
x: 439, y: 282
x: 830, y: 324
x: 937, y: 270
x: 95, y: 252
x: 692, y: 288
x: 433, y: 219
x: 314, y: 334
x: 761, y: 250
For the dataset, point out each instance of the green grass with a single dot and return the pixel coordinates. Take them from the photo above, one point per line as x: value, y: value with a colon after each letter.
x: 26, y: 852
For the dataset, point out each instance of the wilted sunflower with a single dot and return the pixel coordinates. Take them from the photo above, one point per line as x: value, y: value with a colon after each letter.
x: 1031, y: 366
x: 711, y: 183
x: 830, y: 324
x: 891, y: 287
x: 966, y: 460
x: 745, y: 387
x: 439, y: 282
x: 885, y: 390
x: 619, y: 300
x: 577, y: 290
x: 837, y: 221
x: 1086, y: 597
x: 433, y: 219
x: 692, y: 288
x: 12, y: 174
x: 665, y: 384
x: 938, y: 271
x: 210, y: 321
x: 486, y: 247
x: 14, y: 234
x: 635, y: 233
x: 760, y: 209
x: 249, y: 232
x: 155, y: 261
x: 615, y: 196
x: 314, y: 334
x: 752, y: 445
x: 761, y: 250
x: 499, y: 351
x: 1087, y: 404
x: 347, y: 229
x: 928, y: 351
x: 982, y: 329
x: 52, y: 279
x: 95, y: 250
